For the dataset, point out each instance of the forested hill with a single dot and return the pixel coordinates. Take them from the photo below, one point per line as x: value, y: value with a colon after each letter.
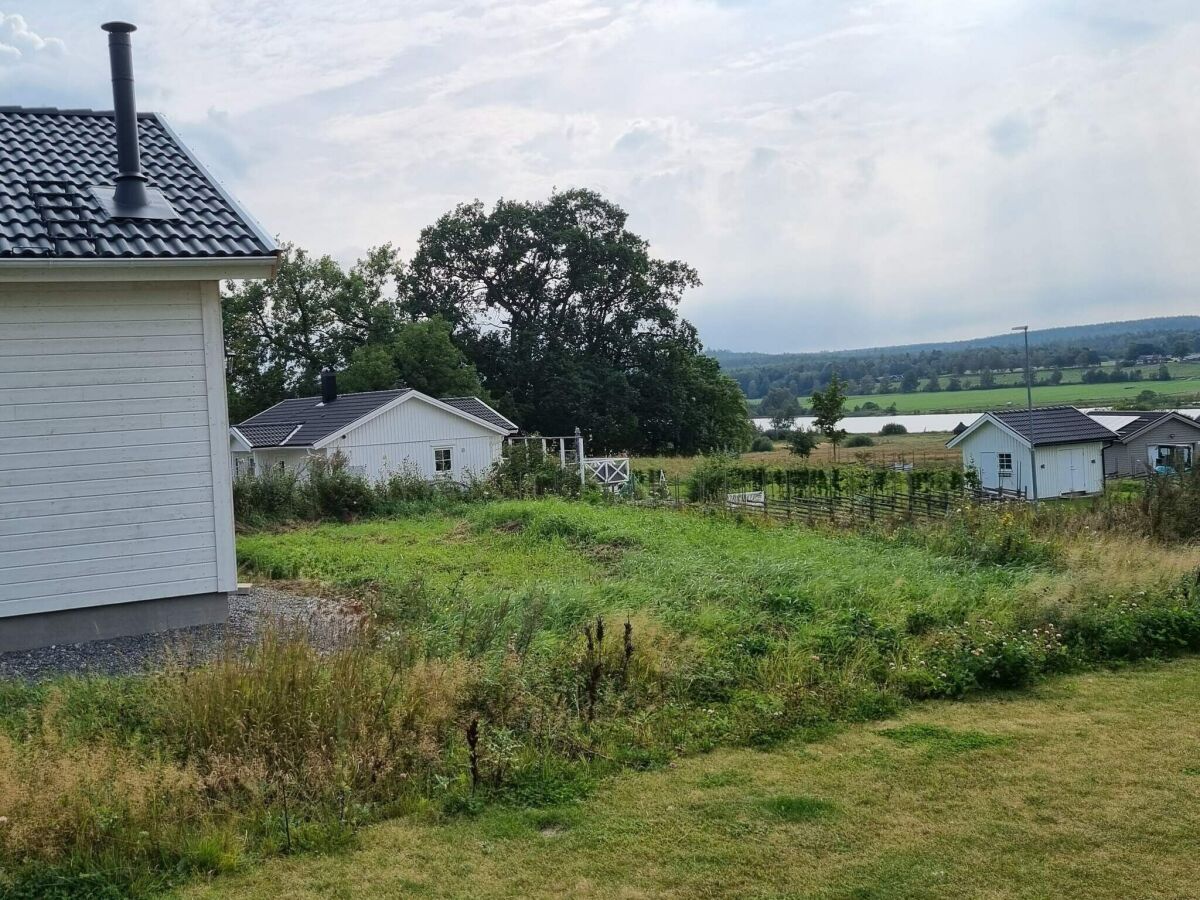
x: 1067, y: 346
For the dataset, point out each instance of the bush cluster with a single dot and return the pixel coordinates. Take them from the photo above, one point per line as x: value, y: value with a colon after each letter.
x: 1000, y: 534
x: 330, y: 489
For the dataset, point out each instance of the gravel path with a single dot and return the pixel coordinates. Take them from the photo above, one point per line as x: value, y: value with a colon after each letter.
x: 325, y: 621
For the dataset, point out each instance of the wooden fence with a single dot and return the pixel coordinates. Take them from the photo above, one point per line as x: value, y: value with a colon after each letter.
x: 843, y: 504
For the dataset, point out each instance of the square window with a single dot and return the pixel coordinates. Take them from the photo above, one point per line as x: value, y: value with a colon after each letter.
x: 1005, y: 460
x: 442, y: 461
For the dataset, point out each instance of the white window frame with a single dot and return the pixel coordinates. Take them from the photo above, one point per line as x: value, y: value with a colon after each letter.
x: 1188, y: 451
x: 439, y: 472
x: 1004, y: 464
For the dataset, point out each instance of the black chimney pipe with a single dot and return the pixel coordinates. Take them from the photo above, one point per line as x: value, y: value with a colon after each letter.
x: 328, y: 386
x: 131, y: 183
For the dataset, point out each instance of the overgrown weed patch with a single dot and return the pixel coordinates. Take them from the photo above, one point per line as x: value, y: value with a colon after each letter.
x: 519, y: 665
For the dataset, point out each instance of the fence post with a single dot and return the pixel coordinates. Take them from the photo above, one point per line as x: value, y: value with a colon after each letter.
x: 579, y: 451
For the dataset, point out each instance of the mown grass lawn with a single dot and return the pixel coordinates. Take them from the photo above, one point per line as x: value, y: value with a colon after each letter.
x: 1089, y: 786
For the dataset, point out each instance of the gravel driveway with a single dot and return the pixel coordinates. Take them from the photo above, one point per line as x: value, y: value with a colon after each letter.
x: 325, y: 621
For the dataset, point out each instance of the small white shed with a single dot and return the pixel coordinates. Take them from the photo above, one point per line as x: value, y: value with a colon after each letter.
x: 1068, y: 451
x: 379, y: 433
x: 115, y: 501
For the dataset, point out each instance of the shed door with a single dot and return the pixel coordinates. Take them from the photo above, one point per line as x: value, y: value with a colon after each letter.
x: 1072, y: 470
x: 989, y: 469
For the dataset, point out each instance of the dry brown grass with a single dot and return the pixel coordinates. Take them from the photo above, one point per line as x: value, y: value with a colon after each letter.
x: 59, y: 800
x: 921, y: 449
x: 1104, y: 564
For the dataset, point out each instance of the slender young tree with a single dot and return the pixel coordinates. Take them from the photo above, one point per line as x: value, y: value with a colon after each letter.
x: 829, y: 408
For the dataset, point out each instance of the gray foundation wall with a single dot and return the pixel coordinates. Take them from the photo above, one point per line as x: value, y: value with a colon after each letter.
x: 98, y: 623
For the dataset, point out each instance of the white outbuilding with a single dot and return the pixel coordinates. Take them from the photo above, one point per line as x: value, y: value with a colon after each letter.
x: 1068, y: 451
x: 115, y: 499
x: 377, y: 433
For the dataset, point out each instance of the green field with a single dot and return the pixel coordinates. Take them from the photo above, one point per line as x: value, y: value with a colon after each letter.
x: 1047, y: 395
x: 1089, y: 787
x: 1010, y: 390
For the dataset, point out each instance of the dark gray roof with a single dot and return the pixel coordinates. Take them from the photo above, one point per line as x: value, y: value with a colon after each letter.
x: 1146, y: 420
x: 317, y: 420
x: 49, y: 161
x: 1054, y: 425
x: 480, y: 410
x: 267, y: 435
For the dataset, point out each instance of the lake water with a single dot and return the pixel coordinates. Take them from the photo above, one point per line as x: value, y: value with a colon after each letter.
x: 915, y: 424
x: 871, y: 424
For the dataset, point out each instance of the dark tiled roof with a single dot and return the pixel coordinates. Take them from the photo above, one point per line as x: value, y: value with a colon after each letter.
x: 316, y: 419
x: 267, y: 435
x: 1054, y: 425
x: 1143, y: 421
x: 480, y: 410
x: 49, y: 161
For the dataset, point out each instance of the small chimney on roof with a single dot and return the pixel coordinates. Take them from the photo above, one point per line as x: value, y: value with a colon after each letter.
x: 130, y: 199
x: 131, y: 183
x: 328, y: 386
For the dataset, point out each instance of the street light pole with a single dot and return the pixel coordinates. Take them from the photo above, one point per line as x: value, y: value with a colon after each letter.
x: 1029, y: 398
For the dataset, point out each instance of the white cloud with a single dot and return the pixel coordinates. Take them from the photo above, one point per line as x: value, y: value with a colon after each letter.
x: 18, y: 42
x: 840, y: 175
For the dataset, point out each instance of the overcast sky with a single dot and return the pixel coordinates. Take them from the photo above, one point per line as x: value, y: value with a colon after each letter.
x: 841, y: 174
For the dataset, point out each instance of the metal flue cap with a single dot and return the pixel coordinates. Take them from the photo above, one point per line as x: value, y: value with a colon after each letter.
x: 118, y: 27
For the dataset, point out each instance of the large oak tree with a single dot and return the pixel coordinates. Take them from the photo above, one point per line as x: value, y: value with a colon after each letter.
x: 571, y: 322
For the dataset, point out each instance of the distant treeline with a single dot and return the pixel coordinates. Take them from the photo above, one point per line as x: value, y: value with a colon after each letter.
x: 921, y: 367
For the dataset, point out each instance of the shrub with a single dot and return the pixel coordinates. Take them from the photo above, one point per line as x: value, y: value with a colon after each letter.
x: 892, y: 428
x: 713, y: 478
x: 993, y: 533
x: 803, y: 441
x: 526, y: 471
x: 407, y: 485
x: 762, y: 444
x: 336, y: 492
x: 273, y: 495
x: 859, y: 440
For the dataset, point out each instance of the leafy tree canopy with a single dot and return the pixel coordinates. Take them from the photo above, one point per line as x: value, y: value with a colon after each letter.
x: 553, y: 310
x: 571, y: 322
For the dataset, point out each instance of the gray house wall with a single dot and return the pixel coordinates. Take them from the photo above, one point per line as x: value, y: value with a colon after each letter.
x: 1122, y: 459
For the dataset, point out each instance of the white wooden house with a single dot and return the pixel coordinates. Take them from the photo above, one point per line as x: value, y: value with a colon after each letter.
x: 1068, y: 450
x: 115, y: 499
x: 378, y: 433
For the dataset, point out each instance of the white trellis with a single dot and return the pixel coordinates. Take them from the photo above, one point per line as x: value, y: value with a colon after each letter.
x: 609, y: 472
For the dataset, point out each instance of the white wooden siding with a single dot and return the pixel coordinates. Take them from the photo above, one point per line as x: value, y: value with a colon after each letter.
x: 1053, y: 475
x: 111, y: 397
x: 407, y: 436
x: 988, y: 438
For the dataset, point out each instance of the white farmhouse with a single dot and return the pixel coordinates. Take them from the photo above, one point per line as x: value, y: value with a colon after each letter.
x: 1068, y: 451
x: 115, y: 500
x: 377, y: 432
